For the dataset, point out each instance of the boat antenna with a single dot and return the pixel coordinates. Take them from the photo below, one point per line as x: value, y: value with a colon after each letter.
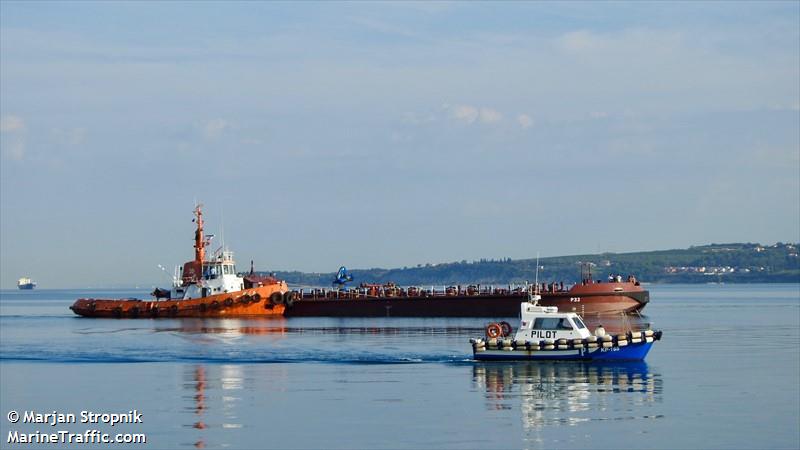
x: 533, y: 295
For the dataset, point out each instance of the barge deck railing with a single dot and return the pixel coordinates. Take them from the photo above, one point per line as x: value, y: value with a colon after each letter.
x: 391, y: 290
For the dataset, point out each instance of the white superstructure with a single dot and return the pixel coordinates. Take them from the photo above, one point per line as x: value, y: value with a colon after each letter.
x: 218, y: 277
x: 545, y: 322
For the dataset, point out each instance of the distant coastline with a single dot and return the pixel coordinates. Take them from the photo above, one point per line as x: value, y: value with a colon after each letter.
x: 714, y: 263
x: 737, y: 263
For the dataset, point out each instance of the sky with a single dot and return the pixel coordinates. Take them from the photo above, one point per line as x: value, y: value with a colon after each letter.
x: 389, y: 134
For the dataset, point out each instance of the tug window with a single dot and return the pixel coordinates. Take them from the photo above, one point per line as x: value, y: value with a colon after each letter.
x: 579, y: 323
x: 565, y: 325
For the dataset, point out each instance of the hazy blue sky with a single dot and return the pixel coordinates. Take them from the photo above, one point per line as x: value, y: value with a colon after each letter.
x: 384, y: 135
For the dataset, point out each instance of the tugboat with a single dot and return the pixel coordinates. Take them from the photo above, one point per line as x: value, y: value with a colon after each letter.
x: 26, y: 283
x: 206, y: 288
x: 545, y: 334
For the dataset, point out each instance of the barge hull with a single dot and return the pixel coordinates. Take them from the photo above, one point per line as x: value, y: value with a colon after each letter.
x: 465, y: 305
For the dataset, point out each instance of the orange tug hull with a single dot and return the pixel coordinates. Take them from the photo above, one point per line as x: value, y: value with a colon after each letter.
x: 257, y: 301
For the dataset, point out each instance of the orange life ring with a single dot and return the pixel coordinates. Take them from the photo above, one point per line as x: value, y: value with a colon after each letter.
x: 493, y: 330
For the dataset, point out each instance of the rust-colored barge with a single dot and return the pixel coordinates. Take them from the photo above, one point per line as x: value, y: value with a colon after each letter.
x: 586, y: 298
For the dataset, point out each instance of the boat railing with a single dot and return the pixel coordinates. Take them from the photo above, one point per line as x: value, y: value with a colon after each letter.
x: 393, y: 291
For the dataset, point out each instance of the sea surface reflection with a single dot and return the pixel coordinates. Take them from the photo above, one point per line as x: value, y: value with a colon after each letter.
x: 212, y: 401
x: 568, y: 393
x: 730, y: 358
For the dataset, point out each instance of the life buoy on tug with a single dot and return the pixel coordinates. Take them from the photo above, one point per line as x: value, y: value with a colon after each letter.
x: 493, y: 330
x: 506, y: 328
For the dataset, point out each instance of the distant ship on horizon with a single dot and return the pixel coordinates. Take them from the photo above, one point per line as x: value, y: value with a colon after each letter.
x: 26, y: 283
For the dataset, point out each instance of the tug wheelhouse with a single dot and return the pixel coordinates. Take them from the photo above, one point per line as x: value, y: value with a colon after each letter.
x: 218, y: 276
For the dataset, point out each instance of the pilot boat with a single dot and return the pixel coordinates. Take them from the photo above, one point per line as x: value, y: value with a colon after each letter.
x: 546, y: 334
x: 206, y: 287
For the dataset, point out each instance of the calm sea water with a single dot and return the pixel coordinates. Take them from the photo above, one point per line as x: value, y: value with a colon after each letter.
x: 726, y: 375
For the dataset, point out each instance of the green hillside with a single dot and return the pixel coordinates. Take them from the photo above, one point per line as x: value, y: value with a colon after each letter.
x: 729, y: 263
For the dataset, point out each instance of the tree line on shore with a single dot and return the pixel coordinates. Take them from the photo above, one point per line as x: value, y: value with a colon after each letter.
x: 729, y: 263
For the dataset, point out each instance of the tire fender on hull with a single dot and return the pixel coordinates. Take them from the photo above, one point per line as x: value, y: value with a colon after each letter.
x: 276, y: 298
x: 288, y: 298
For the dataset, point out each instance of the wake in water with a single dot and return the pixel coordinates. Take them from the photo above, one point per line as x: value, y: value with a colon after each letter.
x: 237, y: 358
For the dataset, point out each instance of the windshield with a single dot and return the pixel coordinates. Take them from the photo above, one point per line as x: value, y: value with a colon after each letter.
x: 211, y: 272
x: 551, y: 323
x: 579, y: 323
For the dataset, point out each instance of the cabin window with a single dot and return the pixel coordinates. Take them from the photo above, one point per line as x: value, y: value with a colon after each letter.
x: 546, y: 323
x: 552, y: 323
x: 578, y: 323
x: 212, y: 272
